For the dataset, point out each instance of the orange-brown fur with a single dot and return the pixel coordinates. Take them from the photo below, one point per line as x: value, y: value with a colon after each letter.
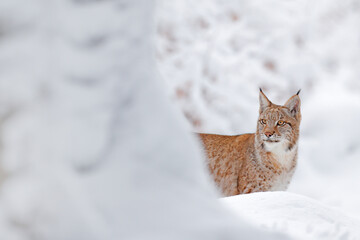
x: 255, y: 162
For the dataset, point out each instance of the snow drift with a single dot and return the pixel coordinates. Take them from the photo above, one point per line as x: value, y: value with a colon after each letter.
x: 299, y: 216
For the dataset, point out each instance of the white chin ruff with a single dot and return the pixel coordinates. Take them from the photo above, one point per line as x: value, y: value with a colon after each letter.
x: 275, y: 147
x: 281, y: 151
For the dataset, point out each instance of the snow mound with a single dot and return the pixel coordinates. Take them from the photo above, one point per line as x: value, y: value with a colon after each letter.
x: 296, y: 215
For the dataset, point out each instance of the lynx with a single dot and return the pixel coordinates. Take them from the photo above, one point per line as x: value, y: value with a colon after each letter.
x: 261, y: 161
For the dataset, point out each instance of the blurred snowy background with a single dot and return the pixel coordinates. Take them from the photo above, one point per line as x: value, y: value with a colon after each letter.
x: 214, y: 55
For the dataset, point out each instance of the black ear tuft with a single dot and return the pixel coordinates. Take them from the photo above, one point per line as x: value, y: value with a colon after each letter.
x: 293, y: 104
x: 298, y: 92
x: 264, y: 101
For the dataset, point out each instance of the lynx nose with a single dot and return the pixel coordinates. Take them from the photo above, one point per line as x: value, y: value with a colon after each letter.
x: 269, y: 134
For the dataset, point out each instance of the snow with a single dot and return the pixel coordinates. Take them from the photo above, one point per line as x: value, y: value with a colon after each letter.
x: 298, y: 216
x: 329, y: 149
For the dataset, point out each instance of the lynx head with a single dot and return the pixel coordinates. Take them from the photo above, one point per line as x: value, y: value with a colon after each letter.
x: 279, y: 124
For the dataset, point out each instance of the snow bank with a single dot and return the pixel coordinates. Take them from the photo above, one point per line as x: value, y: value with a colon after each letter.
x: 296, y: 215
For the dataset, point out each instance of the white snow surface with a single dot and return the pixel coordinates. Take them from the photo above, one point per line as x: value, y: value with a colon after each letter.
x: 298, y: 216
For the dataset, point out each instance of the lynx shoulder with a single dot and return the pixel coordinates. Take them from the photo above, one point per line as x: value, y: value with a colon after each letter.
x: 261, y: 161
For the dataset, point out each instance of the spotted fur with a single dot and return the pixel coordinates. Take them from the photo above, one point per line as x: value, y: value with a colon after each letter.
x: 261, y: 161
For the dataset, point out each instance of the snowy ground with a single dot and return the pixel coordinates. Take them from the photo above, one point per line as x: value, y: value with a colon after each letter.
x: 213, y: 56
x: 298, y: 216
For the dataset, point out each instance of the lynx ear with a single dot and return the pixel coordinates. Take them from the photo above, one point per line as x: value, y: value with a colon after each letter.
x: 264, y: 101
x: 293, y: 104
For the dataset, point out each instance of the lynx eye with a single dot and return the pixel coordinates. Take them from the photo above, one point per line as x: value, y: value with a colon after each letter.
x: 263, y: 121
x: 281, y: 123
